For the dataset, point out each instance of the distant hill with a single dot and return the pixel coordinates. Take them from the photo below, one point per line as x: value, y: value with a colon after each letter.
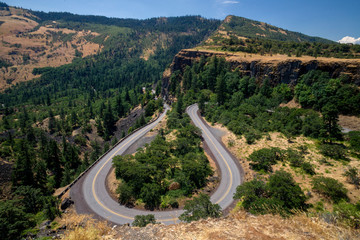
x: 33, y: 39
x: 238, y: 34
x: 254, y: 29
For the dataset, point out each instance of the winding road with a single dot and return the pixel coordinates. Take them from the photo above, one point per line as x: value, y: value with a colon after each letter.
x: 92, y: 190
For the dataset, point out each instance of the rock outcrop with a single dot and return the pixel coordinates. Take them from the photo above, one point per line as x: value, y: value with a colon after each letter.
x: 279, y: 69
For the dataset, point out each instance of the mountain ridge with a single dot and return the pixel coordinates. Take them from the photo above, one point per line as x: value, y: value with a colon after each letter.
x: 245, y: 27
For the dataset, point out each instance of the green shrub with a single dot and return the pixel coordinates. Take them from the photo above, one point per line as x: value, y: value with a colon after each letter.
x: 308, y: 168
x: 330, y: 188
x: 263, y: 159
x: 281, y: 194
x: 295, y: 158
x: 143, y: 220
x: 334, y: 151
x: 348, y: 213
x: 80, y: 140
x: 355, y: 140
x: 352, y: 175
x: 200, y: 207
x: 251, y: 136
x: 125, y: 193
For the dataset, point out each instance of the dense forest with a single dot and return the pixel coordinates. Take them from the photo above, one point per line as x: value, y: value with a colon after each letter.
x: 51, y: 126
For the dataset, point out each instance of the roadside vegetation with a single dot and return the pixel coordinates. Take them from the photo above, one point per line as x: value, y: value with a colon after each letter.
x: 52, y: 128
x: 165, y: 170
x: 285, y: 180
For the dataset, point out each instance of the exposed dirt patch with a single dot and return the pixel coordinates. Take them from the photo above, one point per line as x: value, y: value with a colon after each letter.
x: 350, y: 122
x: 291, y: 104
x: 112, y: 184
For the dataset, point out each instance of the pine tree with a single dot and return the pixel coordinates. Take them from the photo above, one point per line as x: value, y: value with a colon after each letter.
x: 142, y: 120
x: 53, y: 159
x: 187, y: 78
x: 40, y: 174
x: 109, y: 121
x: 179, y: 105
x: 265, y: 89
x: 202, y: 103
x: 24, y: 120
x: 22, y: 172
x: 119, y: 106
x: 331, y: 130
x: 221, y: 90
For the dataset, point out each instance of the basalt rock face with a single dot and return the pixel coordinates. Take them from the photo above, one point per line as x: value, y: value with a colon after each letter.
x: 277, y: 70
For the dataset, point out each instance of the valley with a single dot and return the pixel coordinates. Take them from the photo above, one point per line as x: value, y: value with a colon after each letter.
x: 179, y: 127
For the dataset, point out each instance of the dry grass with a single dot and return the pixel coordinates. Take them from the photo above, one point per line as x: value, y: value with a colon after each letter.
x: 267, y: 58
x: 350, y: 122
x: 239, y: 225
x: 242, y: 151
x: 84, y: 227
x: 112, y: 183
x: 39, y: 46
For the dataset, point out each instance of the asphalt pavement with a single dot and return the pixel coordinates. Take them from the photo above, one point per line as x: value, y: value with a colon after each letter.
x: 93, y: 192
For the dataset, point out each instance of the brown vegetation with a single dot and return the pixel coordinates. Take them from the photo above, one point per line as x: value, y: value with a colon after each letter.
x: 26, y: 49
x: 239, y: 225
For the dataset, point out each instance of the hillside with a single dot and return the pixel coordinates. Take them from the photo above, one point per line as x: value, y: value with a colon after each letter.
x: 277, y: 68
x: 247, y: 28
x: 282, y: 119
x: 71, y: 86
x: 25, y: 45
x: 33, y: 39
x: 237, y: 34
x: 237, y: 226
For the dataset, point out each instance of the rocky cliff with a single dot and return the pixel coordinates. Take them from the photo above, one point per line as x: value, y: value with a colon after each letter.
x: 278, y: 68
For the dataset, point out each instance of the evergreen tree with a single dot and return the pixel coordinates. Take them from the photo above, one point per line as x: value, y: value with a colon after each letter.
x: 187, y: 78
x: 53, y: 159
x: 221, y: 90
x: 202, y: 100
x: 331, y: 130
x: 212, y: 73
x: 119, y: 106
x: 179, y: 105
x: 22, y: 171
x: 40, y: 174
x: 24, y: 120
x: 109, y: 122
x: 265, y: 89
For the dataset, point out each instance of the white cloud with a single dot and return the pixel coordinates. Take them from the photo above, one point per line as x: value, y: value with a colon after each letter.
x: 229, y: 2
x: 348, y: 39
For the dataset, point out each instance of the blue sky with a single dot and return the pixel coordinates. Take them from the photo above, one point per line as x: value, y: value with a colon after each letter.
x: 325, y: 18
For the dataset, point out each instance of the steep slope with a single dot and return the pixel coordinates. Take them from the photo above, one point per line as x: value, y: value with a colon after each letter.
x: 33, y: 39
x: 277, y: 68
x: 237, y: 226
x: 25, y: 45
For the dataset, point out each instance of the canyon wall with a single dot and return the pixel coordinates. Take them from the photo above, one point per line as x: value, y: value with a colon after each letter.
x: 278, y: 69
